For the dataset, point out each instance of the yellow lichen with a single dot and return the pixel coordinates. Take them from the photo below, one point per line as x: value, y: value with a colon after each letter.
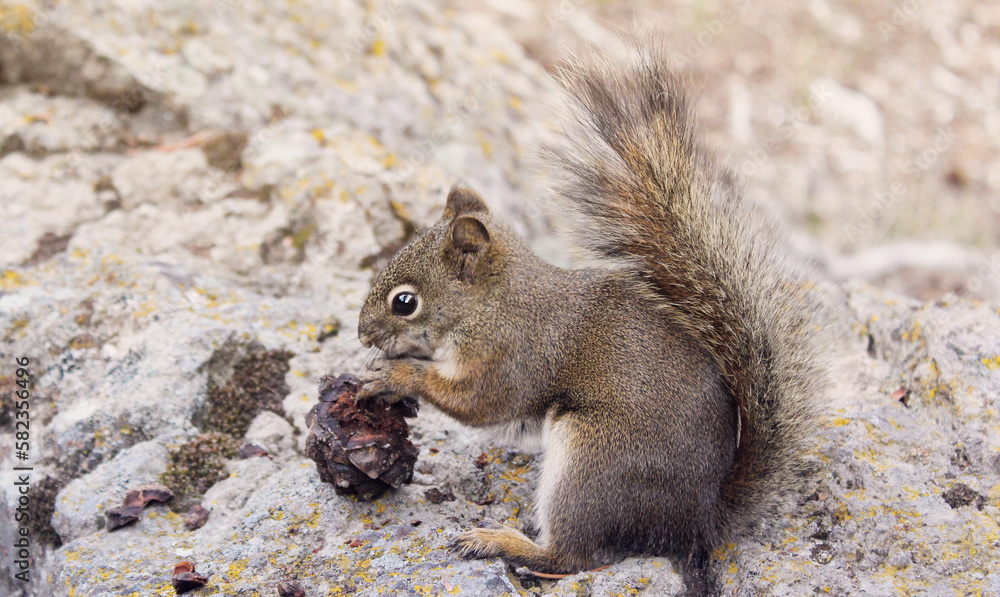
x: 236, y: 569
x: 992, y: 363
x: 913, y: 335
x: 17, y: 19
x: 515, y: 474
x: 12, y: 279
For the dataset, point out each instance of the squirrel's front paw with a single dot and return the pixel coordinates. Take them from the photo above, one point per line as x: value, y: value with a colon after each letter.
x: 373, y: 386
x: 484, y: 541
x: 374, y: 375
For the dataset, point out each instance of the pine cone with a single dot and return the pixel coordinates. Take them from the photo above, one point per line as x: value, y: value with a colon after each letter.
x: 361, y: 448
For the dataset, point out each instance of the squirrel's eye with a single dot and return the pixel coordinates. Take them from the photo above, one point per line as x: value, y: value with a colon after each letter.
x: 404, y: 301
x: 404, y: 304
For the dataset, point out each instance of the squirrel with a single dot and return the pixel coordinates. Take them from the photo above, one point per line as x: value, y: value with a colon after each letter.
x: 675, y: 388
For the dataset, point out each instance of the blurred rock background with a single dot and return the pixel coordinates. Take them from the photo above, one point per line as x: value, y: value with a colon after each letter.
x: 195, y: 195
x: 875, y: 127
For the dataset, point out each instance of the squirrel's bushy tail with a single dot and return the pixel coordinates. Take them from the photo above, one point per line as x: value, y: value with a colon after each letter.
x: 655, y: 197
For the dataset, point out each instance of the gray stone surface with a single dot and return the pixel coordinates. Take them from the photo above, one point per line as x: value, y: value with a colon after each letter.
x: 79, y: 510
x: 129, y: 254
x: 877, y: 521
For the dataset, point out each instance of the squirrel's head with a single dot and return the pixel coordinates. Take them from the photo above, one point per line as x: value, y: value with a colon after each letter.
x: 436, y: 280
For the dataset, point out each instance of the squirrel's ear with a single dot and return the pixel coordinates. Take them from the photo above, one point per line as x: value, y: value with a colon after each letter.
x: 469, y: 238
x: 463, y: 201
x: 469, y: 235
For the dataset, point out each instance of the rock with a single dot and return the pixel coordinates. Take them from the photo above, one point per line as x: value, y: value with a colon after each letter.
x: 876, y: 496
x: 991, y: 585
x: 179, y: 179
x: 81, y: 504
x: 143, y: 243
x: 924, y: 270
x: 40, y: 50
x: 654, y: 576
x: 51, y: 124
x: 27, y: 187
x: 244, y: 380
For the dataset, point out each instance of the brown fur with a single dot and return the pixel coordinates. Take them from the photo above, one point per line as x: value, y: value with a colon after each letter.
x: 644, y: 378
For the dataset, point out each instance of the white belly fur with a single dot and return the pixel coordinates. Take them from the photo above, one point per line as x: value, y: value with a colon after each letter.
x: 446, y: 362
x: 555, y: 438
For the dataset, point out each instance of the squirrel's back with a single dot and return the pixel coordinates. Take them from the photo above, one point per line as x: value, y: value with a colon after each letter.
x: 654, y: 196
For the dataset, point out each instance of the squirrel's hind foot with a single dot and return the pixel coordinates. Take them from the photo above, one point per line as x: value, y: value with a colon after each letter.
x: 487, y: 540
x: 492, y: 539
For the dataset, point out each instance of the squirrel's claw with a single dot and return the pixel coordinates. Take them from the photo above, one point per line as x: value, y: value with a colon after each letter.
x: 480, y: 542
x: 372, y: 376
x: 373, y: 384
x: 391, y: 380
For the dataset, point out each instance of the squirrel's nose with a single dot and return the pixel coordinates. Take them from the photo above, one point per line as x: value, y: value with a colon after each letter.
x: 366, y: 338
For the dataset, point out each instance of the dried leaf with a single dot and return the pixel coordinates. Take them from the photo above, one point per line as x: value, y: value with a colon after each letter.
x: 186, y: 579
x: 436, y: 496
x: 148, y: 493
x: 122, y: 516
x: 902, y: 395
x: 290, y: 589
x: 252, y: 450
x: 184, y: 566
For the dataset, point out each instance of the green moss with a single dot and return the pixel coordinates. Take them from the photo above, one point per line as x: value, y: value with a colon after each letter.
x: 43, y: 504
x: 243, y: 380
x: 197, y: 465
x: 301, y: 236
x: 7, y: 389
